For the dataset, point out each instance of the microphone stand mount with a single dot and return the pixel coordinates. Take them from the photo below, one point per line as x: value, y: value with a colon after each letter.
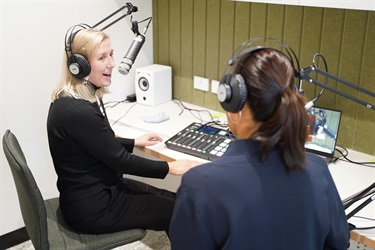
x: 305, y: 75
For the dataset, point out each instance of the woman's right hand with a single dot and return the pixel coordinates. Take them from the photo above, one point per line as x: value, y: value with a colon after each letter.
x: 180, y: 167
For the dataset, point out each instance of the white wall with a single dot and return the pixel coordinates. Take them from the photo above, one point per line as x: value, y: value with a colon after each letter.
x: 341, y: 4
x: 32, y: 49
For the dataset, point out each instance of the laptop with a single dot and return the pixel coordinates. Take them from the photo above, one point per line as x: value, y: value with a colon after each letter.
x: 323, y: 132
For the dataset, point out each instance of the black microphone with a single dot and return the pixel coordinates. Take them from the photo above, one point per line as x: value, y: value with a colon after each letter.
x: 132, y: 53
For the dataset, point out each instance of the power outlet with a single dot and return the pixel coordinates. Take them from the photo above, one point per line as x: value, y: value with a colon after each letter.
x: 214, y: 86
x: 201, y: 83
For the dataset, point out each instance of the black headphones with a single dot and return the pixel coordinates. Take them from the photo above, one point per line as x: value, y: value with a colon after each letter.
x: 232, y: 91
x: 77, y: 64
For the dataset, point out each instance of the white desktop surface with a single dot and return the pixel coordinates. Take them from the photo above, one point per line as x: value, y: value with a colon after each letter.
x: 350, y: 179
x: 127, y: 121
x: 131, y: 125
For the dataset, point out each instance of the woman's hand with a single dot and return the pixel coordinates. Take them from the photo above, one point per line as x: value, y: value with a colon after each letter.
x: 180, y: 167
x: 147, y: 140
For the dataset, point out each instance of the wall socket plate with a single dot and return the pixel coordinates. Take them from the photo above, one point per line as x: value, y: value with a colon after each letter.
x: 214, y: 86
x: 201, y: 83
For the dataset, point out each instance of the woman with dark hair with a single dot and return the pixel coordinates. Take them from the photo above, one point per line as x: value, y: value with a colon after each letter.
x: 265, y: 192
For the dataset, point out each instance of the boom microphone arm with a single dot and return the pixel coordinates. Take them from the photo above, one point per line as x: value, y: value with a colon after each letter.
x: 131, y: 8
x: 304, y: 74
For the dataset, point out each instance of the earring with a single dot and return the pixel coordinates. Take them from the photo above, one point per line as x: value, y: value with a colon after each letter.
x: 230, y: 117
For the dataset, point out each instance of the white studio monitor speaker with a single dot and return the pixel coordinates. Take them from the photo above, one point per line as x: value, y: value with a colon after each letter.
x: 153, y: 84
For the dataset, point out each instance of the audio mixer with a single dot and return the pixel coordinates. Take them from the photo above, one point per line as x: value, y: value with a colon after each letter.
x: 201, y: 140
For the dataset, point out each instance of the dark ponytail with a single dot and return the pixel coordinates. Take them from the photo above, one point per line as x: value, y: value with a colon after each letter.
x: 269, y: 76
x: 294, y: 123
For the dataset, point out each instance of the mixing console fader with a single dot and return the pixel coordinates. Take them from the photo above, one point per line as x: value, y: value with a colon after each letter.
x: 200, y: 140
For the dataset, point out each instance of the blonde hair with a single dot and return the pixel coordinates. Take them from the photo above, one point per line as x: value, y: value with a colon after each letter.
x: 85, y: 43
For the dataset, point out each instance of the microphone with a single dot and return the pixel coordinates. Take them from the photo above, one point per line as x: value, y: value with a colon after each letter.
x: 131, y: 55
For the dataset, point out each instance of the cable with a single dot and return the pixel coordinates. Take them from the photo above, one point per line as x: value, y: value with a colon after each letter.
x: 101, y: 104
x: 116, y: 103
x: 123, y: 115
x: 362, y: 217
x: 220, y: 124
x: 345, y: 158
x: 362, y: 228
x: 183, y: 107
x: 213, y: 120
x: 326, y: 78
x: 342, y: 154
x: 135, y: 25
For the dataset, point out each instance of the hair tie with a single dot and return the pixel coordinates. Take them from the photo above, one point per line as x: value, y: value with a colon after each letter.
x: 284, y: 87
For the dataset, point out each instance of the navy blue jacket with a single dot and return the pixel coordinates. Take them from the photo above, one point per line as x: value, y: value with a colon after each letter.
x: 239, y: 202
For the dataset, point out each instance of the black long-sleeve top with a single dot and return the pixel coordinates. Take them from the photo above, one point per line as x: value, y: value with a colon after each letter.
x: 86, y: 154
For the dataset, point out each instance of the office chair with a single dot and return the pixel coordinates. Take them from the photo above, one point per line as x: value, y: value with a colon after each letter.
x: 43, y: 218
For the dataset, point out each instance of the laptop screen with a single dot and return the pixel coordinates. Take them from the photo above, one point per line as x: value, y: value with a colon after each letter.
x: 323, y: 131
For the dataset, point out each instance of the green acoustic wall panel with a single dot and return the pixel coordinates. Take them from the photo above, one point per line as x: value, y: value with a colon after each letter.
x: 199, y: 48
x: 275, y: 21
x: 187, y: 49
x: 212, y: 48
x: 258, y: 22
x: 364, y: 132
x: 242, y: 22
x: 227, y: 33
x: 197, y: 37
x: 175, y: 46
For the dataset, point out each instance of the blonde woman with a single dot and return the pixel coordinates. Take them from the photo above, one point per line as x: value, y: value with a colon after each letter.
x: 89, y: 160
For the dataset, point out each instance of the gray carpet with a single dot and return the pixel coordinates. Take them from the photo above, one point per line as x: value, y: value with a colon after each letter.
x: 154, y: 240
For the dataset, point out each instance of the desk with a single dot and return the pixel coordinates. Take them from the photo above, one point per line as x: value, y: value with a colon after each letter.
x: 132, y: 124
x: 128, y: 122
x: 350, y: 179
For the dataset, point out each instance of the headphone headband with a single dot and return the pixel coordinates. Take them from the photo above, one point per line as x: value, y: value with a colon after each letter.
x: 70, y: 34
x: 267, y: 42
x: 77, y: 64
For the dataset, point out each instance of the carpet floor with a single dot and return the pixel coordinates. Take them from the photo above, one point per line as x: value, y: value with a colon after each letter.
x: 154, y: 240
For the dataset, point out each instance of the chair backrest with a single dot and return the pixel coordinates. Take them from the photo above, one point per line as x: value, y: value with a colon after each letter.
x: 29, y: 196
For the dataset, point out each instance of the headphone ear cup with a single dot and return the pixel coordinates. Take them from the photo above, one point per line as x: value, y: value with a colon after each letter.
x: 79, y: 66
x: 232, y: 93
